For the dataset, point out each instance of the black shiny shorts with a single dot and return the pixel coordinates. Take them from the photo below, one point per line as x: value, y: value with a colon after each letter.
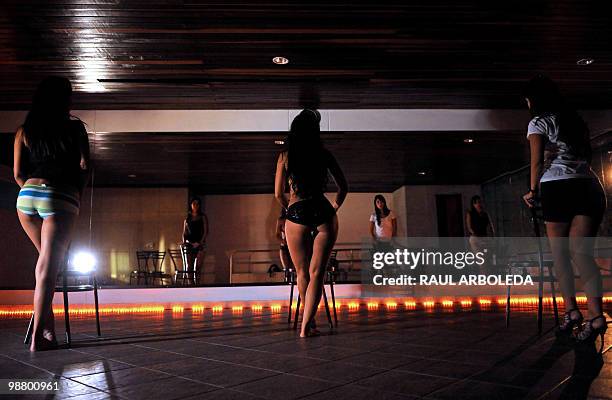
x: 311, y: 212
x: 562, y: 200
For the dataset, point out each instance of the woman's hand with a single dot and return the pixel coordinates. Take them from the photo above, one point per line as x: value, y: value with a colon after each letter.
x: 530, y: 198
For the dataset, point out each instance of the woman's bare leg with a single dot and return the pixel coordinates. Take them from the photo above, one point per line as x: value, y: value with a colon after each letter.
x: 32, y: 225
x: 55, y: 238
x: 322, y: 247
x: 558, y: 233
x: 299, y: 241
x: 582, y: 241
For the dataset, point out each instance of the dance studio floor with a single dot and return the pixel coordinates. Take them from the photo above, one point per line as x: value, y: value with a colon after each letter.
x: 375, y: 354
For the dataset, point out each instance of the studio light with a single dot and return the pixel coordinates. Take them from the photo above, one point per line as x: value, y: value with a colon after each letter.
x: 83, y: 262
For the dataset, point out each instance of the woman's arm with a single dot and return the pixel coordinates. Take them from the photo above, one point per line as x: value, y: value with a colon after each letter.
x: 340, y: 180
x: 372, y: 230
x: 536, y: 146
x: 279, y: 229
x: 468, y: 223
x: 279, y: 182
x: 491, y: 226
x: 19, y: 164
x: 184, y: 230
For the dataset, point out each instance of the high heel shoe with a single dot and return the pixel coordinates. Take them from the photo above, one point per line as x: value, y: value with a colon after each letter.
x: 567, y: 326
x: 588, y: 334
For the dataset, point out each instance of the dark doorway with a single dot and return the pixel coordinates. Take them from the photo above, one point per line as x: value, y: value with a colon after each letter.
x: 450, y: 215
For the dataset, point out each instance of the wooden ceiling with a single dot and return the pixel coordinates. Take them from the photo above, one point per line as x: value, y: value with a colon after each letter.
x: 187, y: 54
x: 245, y: 162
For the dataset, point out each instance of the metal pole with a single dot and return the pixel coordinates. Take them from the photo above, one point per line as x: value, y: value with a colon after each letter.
x: 536, y: 229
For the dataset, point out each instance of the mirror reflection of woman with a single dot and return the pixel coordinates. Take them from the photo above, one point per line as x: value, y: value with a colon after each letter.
x: 479, y: 225
x: 312, y: 225
x: 383, y: 222
x: 51, y: 162
x: 383, y: 225
x: 195, y: 231
x: 285, y: 256
x: 573, y: 202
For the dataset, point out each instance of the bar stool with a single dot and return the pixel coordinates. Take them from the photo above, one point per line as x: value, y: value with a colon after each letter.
x: 330, y: 274
x: 535, y: 218
x: 64, y: 275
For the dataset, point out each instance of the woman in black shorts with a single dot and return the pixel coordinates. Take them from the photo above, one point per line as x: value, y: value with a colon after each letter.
x: 573, y: 201
x: 312, y: 226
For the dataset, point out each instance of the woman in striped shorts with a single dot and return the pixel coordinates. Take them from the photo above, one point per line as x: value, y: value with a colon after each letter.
x: 51, y: 167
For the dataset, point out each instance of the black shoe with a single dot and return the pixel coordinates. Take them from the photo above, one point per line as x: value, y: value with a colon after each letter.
x: 588, y: 334
x: 566, y: 328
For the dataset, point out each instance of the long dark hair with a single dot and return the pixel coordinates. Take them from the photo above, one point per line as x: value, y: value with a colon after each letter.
x: 307, y: 158
x: 545, y: 97
x: 472, y: 202
x: 46, y: 128
x: 385, y: 210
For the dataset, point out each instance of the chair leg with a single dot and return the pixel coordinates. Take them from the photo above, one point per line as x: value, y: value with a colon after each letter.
x: 508, y: 306
x: 297, y: 312
x: 290, y: 303
x: 329, y: 318
x: 67, y: 318
x: 28, y: 335
x: 97, y: 309
x: 331, y: 287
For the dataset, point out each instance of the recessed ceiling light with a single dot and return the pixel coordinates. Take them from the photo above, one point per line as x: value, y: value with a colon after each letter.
x: 422, y: 173
x: 131, y: 176
x: 280, y: 60
x: 585, y: 61
x: 103, y: 148
x: 279, y: 142
x: 468, y: 140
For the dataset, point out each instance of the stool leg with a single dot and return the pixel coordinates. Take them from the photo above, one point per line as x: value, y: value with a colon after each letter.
x: 508, y: 306
x: 329, y: 318
x: 290, y: 303
x: 28, y: 335
x: 297, y: 311
x: 331, y: 287
x: 97, y: 308
x: 67, y: 318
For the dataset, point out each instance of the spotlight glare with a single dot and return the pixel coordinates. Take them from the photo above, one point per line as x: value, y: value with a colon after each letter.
x: 83, y: 262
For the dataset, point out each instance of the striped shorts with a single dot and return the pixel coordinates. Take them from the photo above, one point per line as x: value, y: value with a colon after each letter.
x: 45, y: 200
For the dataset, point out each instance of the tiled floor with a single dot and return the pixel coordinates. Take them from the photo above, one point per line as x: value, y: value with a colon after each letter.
x: 379, y: 354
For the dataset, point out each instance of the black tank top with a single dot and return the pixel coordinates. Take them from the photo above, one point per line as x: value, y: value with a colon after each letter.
x: 195, y: 230
x: 63, y: 168
x: 480, y: 223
